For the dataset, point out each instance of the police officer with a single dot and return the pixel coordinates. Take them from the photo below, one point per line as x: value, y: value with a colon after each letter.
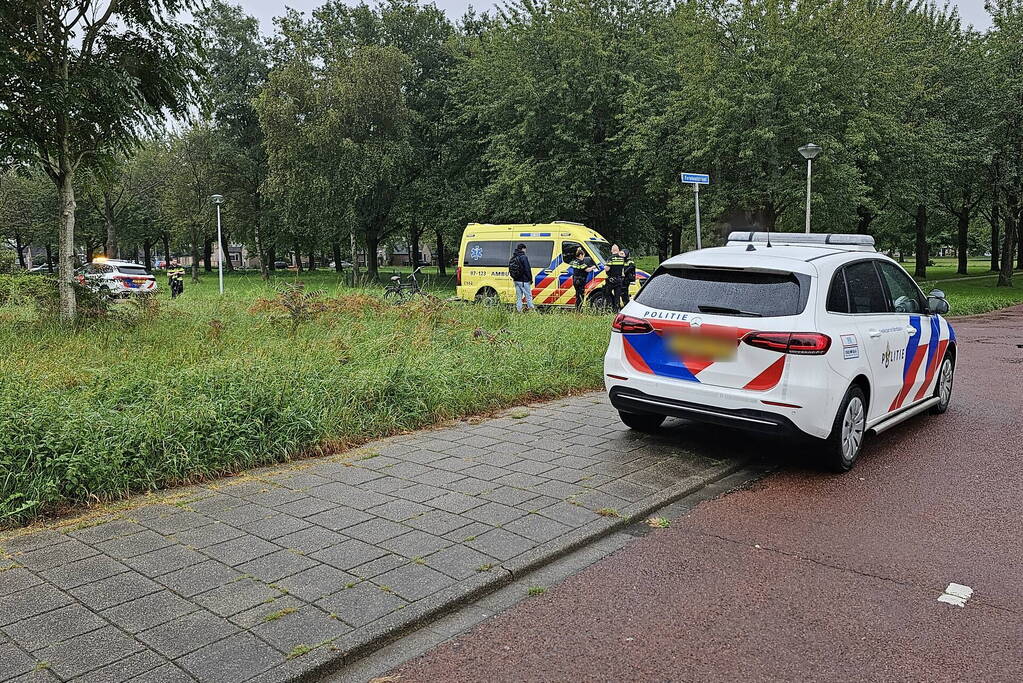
x: 581, y: 265
x: 630, y: 275
x: 175, y: 278
x: 616, y: 278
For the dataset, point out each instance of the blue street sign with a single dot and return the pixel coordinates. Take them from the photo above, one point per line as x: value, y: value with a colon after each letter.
x: 698, y: 178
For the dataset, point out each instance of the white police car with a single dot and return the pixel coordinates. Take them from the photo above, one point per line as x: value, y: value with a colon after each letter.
x: 812, y: 334
x: 117, y: 278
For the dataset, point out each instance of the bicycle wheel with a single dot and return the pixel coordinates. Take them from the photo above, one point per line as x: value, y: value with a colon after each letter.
x: 393, y: 295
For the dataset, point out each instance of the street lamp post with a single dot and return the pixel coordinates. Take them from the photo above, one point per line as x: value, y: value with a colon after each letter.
x: 809, y: 152
x: 218, y: 200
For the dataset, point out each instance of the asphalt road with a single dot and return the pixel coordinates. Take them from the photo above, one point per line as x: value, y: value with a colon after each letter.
x: 808, y: 575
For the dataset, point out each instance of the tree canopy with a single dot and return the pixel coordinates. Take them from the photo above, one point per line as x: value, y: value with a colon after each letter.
x: 360, y: 126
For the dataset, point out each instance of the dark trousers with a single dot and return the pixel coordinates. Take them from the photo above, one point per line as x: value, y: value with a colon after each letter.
x: 619, y: 293
x: 176, y: 287
x: 580, y: 292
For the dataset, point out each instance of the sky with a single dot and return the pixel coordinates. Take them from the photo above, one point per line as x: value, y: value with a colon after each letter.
x: 972, y: 11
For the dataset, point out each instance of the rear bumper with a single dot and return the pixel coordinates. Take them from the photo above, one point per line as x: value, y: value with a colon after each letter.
x: 760, y: 421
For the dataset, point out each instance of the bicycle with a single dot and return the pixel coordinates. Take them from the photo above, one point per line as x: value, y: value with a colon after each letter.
x: 399, y: 292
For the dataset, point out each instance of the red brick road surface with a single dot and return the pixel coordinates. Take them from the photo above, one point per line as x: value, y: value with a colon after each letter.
x: 808, y: 575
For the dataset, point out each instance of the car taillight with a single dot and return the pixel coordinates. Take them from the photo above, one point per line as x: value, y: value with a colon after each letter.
x: 458, y: 276
x: 799, y: 343
x: 626, y: 324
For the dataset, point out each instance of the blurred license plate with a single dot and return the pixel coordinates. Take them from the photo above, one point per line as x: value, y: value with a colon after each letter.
x: 703, y: 346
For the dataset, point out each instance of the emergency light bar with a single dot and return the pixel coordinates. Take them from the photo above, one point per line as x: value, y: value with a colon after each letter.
x: 813, y: 239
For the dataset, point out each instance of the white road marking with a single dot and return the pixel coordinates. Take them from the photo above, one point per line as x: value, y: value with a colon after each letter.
x: 956, y: 594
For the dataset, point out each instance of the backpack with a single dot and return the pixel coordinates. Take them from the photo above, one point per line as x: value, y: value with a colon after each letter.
x: 515, y: 267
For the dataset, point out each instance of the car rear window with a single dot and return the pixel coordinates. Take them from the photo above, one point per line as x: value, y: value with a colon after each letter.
x: 132, y: 270
x: 726, y: 292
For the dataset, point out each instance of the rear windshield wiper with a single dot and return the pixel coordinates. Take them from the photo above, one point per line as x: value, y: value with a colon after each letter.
x: 728, y: 311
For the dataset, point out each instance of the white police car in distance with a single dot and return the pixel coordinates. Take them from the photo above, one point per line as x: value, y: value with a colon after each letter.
x: 813, y: 334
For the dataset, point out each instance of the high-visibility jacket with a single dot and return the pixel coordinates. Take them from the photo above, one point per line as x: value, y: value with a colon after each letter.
x: 630, y: 270
x: 176, y: 273
x: 579, y: 266
x: 615, y: 267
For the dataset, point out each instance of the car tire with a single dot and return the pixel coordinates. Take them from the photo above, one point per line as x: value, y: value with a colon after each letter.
x: 642, y: 422
x: 943, y: 387
x: 842, y: 448
x: 488, y: 296
x: 600, y: 301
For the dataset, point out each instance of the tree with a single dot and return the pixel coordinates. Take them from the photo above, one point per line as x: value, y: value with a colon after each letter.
x: 237, y: 65
x: 82, y: 79
x: 189, y: 170
x: 28, y: 211
x: 1006, y: 63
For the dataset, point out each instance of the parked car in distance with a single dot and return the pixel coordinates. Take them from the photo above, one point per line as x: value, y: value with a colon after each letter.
x: 281, y: 265
x: 118, y: 278
x: 793, y: 334
x: 42, y: 270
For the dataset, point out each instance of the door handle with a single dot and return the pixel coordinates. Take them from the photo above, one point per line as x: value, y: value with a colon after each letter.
x: 910, y: 330
x: 874, y: 332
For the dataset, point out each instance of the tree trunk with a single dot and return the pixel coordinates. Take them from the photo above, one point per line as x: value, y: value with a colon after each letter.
x: 676, y: 242
x: 207, y: 255
x: 66, y: 245
x: 20, y: 248
x: 372, y: 262
x: 312, y: 260
x: 90, y: 249
x: 228, y: 263
x: 49, y: 258
x: 195, y: 259
x: 866, y: 217
x: 298, y: 258
x: 662, y: 247
x: 921, y: 242
x: 1019, y: 244
x: 147, y: 253
x: 166, y: 249
x: 335, y: 250
x: 108, y: 222
x: 413, y: 246
x: 963, y: 234
x: 271, y: 259
x: 442, y: 266
x: 995, y: 224
x: 1008, y: 240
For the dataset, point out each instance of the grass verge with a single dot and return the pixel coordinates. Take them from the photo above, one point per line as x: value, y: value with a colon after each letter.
x: 207, y: 386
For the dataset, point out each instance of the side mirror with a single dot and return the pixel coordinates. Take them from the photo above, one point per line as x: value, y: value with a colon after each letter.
x: 936, y: 303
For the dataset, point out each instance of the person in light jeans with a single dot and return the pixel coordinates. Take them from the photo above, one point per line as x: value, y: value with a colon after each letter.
x: 522, y: 276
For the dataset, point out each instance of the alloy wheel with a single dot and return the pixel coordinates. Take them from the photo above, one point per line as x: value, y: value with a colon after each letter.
x: 853, y: 426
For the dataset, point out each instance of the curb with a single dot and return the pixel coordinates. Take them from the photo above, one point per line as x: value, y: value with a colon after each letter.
x: 331, y: 657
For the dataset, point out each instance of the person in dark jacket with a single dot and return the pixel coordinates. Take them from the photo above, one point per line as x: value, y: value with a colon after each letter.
x: 522, y: 276
x: 616, y: 284
x: 630, y: 275
x: 582, y: 265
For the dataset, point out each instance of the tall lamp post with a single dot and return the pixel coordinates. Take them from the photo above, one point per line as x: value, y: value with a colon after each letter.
x: 809, y: 152
x: 218, y: 199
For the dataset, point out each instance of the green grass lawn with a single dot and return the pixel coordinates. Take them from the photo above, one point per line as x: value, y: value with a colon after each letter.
x: 207, y: 385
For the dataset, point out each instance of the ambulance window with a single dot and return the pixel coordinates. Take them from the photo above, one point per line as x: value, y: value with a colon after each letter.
x: 487, y: 254
x: 864, y: 287
x: 568, y: 250
x: 539, y: 254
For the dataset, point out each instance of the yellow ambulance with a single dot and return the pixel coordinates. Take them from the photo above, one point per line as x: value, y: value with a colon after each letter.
x: 482, y: 273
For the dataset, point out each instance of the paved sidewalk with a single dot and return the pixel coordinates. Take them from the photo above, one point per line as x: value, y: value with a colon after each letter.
x: 298, y: 569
